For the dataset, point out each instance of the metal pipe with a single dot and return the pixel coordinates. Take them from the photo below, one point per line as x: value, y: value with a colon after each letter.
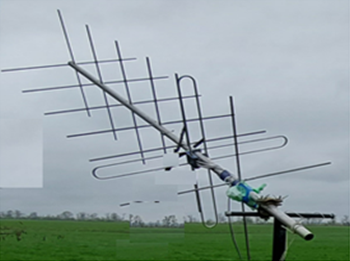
x: 205, y: 162
x: 290, y: 214
x: 294, y: 226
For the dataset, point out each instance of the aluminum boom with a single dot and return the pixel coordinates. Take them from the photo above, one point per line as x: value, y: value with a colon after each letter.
x: 204, y: 161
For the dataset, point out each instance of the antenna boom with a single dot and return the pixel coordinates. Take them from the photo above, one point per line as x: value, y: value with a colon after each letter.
x: 204, y: 161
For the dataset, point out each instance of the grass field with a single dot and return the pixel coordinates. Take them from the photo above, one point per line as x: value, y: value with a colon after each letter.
x: 78, y: 240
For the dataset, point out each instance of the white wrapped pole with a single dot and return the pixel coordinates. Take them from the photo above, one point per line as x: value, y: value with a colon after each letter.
x: 290, y: 223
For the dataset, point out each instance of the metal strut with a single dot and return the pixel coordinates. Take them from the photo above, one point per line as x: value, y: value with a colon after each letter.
x: 238, y: 165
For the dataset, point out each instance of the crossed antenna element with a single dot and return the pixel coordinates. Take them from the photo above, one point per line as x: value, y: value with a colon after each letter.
x: 195, y: 153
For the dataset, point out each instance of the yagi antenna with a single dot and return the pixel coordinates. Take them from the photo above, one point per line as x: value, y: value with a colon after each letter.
x: 194, y: 153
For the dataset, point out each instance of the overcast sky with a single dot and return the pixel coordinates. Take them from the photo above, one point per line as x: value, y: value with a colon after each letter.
x: 285, y: 62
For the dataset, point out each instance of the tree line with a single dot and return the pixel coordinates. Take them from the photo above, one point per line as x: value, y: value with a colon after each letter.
x: 137, y: 221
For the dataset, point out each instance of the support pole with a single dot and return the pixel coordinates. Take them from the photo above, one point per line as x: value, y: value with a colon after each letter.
x: 279, y: 241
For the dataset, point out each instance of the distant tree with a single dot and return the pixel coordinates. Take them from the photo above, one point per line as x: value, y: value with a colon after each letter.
x: 137, y: 221
x: 33, y: 215
x: 66, y: 215
x: 345, y: 220
x: 81, y: 216
x: 166, y: 221
x: 9, y: 214
x: 332, y: 222
x: 50, y: 217
x: 190, y: 219
x: 173, y: 221
x: 93, y: 216
x: 18, y: 214
x: 107, y: 217
x: 169, y: 221
x: 115, y: 217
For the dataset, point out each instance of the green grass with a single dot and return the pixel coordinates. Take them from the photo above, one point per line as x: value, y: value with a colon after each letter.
x: 77, y: 240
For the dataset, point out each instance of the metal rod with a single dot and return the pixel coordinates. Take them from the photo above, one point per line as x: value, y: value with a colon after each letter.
x: 131, y: 161
x: 247, y: 152
x: 55, y: 88
x: 47, y: 66
x: 291, y: 214
x: 285, y: 141
x: 155, y: 99
x: 198, y: 198
x: 96, y: 175
x: 212, y: 192
x: 202, y: 188
x: 205, y: 162
x: 71, y: 86
x: 234, y: 129
x: 183, y: 114
x: 70, y: 50
x: 238, y: 165
x: 138, y: 137
x: 112, y: 105
x: 260, y: 176
x: 238, y: 135
x: 35, y: 67
x: 137, y: 152
x: 229, y: 202
x: 181, y: 138
x: 128, y: 128
x: 130, y: 153
x: 94, y: 54
x: 287, y: 171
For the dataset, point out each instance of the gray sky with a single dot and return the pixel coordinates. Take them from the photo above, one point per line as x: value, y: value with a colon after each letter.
x: 285, y: 62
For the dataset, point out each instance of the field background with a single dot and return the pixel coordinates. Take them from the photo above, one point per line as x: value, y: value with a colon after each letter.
x: 93, y: 240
